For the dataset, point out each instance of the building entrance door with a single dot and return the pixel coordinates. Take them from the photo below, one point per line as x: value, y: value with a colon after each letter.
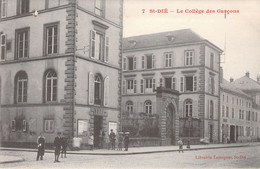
x: 211, y: 133
x: 97, y: 129
x: 232, y: 133
x: 170, y: 126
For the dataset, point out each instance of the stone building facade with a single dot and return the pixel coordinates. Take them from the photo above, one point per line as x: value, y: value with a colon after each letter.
x: 183, y: 62
x: 60, y: 69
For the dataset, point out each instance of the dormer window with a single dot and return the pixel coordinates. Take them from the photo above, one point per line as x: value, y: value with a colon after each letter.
x: 170, y: 37
x: 132, y: 43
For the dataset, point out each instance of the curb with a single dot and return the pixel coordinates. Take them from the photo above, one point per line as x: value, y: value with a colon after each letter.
x: 135, y: 153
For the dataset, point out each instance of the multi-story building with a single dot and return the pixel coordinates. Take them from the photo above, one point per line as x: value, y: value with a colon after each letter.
x: 241, y: 108
x: 239, y: 115
x: 60, y: 69
x: 186, y: 67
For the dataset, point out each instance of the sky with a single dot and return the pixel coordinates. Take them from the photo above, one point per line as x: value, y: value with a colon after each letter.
x: 237, y: 33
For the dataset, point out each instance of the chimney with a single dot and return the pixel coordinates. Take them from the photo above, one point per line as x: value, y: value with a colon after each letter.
x: 247, y: 74
x: 231, y: 80
x: 258, y: 79
x: 221, y: 74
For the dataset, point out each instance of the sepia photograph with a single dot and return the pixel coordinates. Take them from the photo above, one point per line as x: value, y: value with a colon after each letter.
x: 129, y: 84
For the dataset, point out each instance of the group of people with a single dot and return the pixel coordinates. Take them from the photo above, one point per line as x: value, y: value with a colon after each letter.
x: 121, y: 139
x: 60, y: 146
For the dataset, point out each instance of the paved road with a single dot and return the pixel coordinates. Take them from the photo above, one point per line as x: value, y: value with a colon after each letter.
x: 243, y: 157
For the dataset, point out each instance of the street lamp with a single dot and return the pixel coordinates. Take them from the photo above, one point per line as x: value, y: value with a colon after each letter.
x: 189, y: 120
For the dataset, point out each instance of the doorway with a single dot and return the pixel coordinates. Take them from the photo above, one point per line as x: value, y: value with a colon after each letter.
x: 211, y: 133
x: 232, y: 133
x: 97, y: 128
x: 170, y: 125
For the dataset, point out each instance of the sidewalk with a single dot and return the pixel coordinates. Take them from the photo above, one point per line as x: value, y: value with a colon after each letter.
x: 141, y: 150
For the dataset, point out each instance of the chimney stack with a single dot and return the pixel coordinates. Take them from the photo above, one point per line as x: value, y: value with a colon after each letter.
x: 247, y: 74
x: 231, y: 80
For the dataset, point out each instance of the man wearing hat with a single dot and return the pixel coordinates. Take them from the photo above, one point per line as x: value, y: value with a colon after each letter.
x: 57, y: 146
x: 126, y: 140
x: 112, y: 137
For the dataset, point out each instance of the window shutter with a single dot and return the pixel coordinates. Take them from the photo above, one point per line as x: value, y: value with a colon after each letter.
x: 209, y: 85
x: 142, y: 86
x: 13, y: 125
x: 195, y: 83
x: 172, y: 59
x: 134, y: 63
x: 182, y: 84
x: 24, y: 125
x: 3, y: 47
x: 91, y: 88
x: 124, y: 63
x: 92, y: 43
x: 124, y: 87
x: 142, y: 62
x: 154, y: 83
x: 153, y: 61
x: 106, y: 91
x: 135, y: 86
x: 173, y: 83
x: 107, y: 49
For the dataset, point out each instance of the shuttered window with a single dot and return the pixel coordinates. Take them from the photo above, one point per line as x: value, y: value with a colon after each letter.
x: 106, y: 91
x: 91, y: 88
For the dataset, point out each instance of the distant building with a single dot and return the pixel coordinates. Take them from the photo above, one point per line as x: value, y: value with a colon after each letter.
x: 60, y: 69
x: 185, y: 67
x: 239, y: 110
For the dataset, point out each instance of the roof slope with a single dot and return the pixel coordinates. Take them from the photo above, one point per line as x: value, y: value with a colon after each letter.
x: 160, y: 39
x: 246, y: 84
x: 226, y: 85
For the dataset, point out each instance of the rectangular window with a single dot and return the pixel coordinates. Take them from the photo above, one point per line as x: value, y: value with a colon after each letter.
x: 49, y: 125
x: 99, y: 5
x: 23, y: 6
x: 227, y: 111
x: 3, y: 47
x: 168, y: 83
x: 149, y: 62
x: 130, y: 63
x: 51, y: 39
x: 212, y: 60
x: 142, y: 62
x: 3, y: 8
x: 134, y: 67
x: 173, y: 83
x: 22, y: 43
x: 189, y: 83
x: 168, y: 60
x: 130, y: 84
x: 107, y: 49
x: 223, y: 111
x: 135, y: 91
x: 142, y: 86
x: 189, y: 58
x: 22, y: 90
x: 148, y: 83
x: 13, y: 125
x: 233, y: 113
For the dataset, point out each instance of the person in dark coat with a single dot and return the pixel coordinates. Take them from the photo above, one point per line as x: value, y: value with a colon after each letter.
x: 126, y: 140
x: 40, y: 145
x: 112, y: 137
x: 180, y: 143
x: 64, y: 144
x: 57, y: 146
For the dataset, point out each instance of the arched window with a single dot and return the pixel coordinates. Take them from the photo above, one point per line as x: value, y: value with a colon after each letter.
x: 211, y: 109
x: 21, y: 86
x: 129, y: 106
x: 97, y: 90
x: 148, y: 107
x: 188, y: 108
x: 50, y: 86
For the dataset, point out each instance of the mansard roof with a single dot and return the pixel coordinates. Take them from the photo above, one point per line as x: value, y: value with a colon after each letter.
x: 245, y: 83
x: 164, y: 39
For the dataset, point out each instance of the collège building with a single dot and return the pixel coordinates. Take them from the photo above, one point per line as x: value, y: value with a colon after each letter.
x: 186, y: 68
x: 60, y: 68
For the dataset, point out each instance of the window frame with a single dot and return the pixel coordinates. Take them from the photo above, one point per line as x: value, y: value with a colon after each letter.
x: 129, y: 105
x: 148, y: 107
x: 52, y: 78
x: 24, y: 83
x: 190, y: 58
x: 3, y: 4
x: 189, y: 103
x: 168, y: 59
x: 46, y: 27
x: 100, y: 11
x: 26, y: 35
x: 19, y: 7
x: 48, y: 121
x: 3, y: 47
x: 100, y: 98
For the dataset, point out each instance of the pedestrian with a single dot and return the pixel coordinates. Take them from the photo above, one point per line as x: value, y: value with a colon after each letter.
x: 126, y: 140
x: 57, y: 146
x: 40, y: 145
x: 120, y: 141
x: 91, y: 141
x: 64, y: 144
x: 112, y: 138
x: 180, y: 143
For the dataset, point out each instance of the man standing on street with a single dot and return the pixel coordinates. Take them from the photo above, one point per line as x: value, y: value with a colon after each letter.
x: 57, y: 146
x: 40, y: 144
x: 112, y: 137
x: 126, y: 140
x: 180, y: 143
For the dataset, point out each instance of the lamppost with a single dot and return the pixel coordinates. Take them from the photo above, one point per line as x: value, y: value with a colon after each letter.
x: 189, y: 120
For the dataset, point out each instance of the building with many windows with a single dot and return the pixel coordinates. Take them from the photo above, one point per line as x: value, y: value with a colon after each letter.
x: 173, y: 76
x: 60, y: 69
x: 240, y: 109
